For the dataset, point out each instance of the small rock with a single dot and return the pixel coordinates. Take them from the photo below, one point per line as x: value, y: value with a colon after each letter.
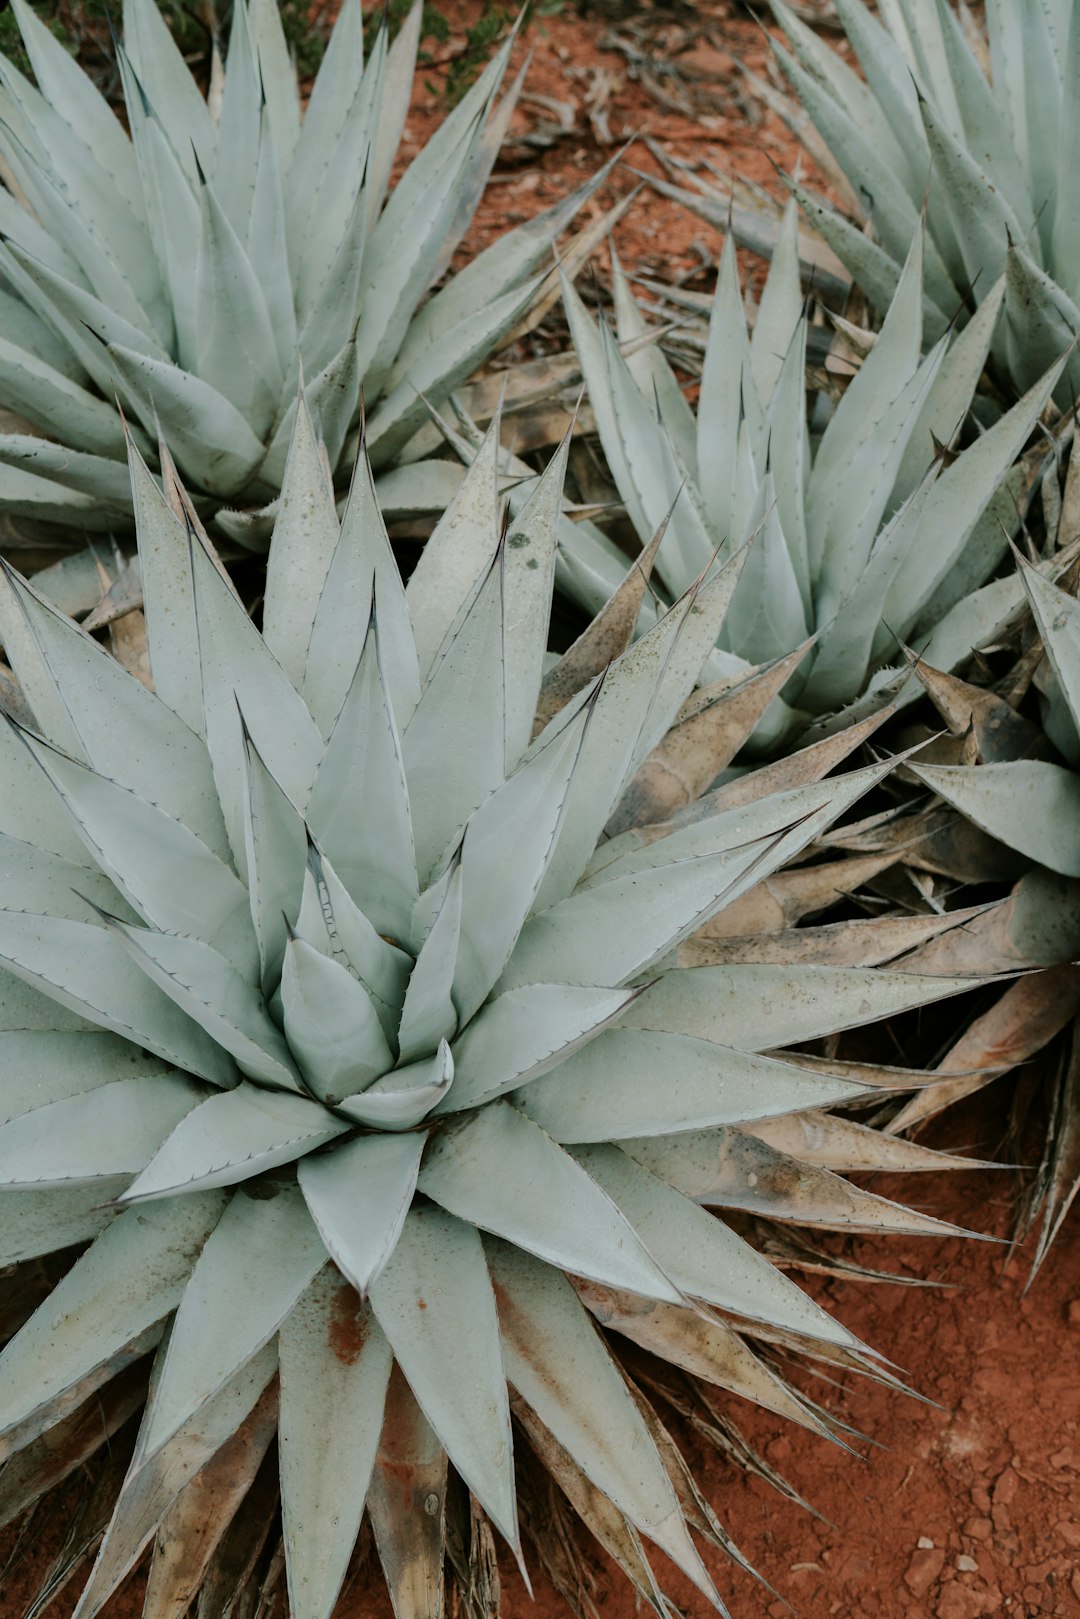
x: 1066, y: 1458
x: 978, y: 1529
x: 924, y: 1543
x: 981, y: 1498
x: 1068, y: 1532
x: 925, y: 1567
x: 966, y: 1565
x: 1072, y: 1313
x: 962, y: 1602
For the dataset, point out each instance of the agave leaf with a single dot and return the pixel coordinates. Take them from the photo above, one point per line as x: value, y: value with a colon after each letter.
x: 267, y: 240
x: 197, y: 1521
x: 636, y: 1082
x: 735, y: 1171
x: 720, y: 407
x: 212, y: 993
x: 80, y: 966
x: 165, y: 572
x: 152, y: 1485
x: 340, y: 205
x: 110, y: 1130
x: 1025, y: 1018
x: 275, y: 859
x: 407, y: 1504
x: 528, y: 579
x: 331, y: 1024
x: 458, y: 553
x: 258, y: 1260
x: 78, y: 100
x: 848, y: 1148
x: 169, y: 86
x: 94, y: 1310
x: 524, y: 1033
x: 600, y: 1515
x: 235, y: 350
x: 362, y: 567
x: 69, y: 1444
x: 403, y: 1099
x: 1058, y: 616
x: 602, y: 641
x: 1029, y: 805
x: 700, y: 1254
x: 894, y: 213
x: 239, y: 120
x: 592, y: 1415
x: 43, y: 1222
x: 575, y: 941
x: 240, y: 673
x: 650, y: 370
x: 758, y: 1007
x: 700, y: 746
x: 380, y: 966
x: 52, y: 401
x: 428, y: 1014
x: 498, y: 1171
x: 504, y: 264
x: 34, y: 880
x: 504, y: 855
x: 171, y: 878
x: 305, y: 538
x: 244, y: 1132
x: 331, y: 97
x: 434, y: 1302
x: 335, y: 1368
x: 210, y: 438
x: 126, y: 733
x: 31, y: 811
x: 172, y: 210
x: 88, y: 322
x: 453, y: 745
x: 705, y: 1349
x: 372, y: 851
x: 957, y: 499
x: 411, y: 236
x: 359, y: 1196
x: 29, y: 1011
x: 44, y: 1065
x: 277, y: 74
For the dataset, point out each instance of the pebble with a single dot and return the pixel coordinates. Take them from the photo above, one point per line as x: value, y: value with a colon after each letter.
x: 962, y: 1602
x: 967, y: 1565
x: 978, y: 1529
x: 1068, y: 1532
x: 924, y: 1543
x: 1072, y: 1313
x: 925, y: 1567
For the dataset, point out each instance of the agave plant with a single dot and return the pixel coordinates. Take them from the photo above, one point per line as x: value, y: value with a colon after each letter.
x: 860, y: 535
x: 1032, y: 806
x: 198, y: 266
x: 977, y: 129
x: 359, y: 1065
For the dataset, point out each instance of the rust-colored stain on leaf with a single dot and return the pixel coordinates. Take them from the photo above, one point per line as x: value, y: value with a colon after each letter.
x: 348, y: 1327
x: 421, y: 1304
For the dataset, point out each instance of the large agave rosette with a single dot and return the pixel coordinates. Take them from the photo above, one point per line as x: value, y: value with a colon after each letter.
x: 200, y: 262
x: 355, y: 1060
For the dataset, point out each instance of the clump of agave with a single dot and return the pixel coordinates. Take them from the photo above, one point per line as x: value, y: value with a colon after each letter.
x: 859, y: 534
x: 1030, y: 802
x: 371, y: 1081
x: 978, y: 130
x: 200, y: 266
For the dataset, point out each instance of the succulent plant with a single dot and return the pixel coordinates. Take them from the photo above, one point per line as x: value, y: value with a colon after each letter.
x: 199, y: 266
x: 975, y: 130
x: 1027, y: 797
x: 361, y: 1058
x: 859, y: 534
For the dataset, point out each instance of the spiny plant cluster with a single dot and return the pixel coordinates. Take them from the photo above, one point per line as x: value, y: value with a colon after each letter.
x: 424, y: 1011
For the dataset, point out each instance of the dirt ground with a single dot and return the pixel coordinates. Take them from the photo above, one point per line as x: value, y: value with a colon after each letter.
x: 965, y: 1506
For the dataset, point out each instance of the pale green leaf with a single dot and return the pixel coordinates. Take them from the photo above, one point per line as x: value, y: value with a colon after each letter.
x: 261, y: 1256
x: 359, y: 1196
x: 111, y: 1130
